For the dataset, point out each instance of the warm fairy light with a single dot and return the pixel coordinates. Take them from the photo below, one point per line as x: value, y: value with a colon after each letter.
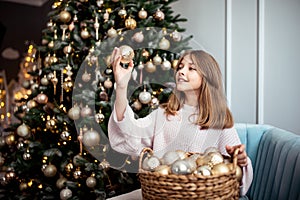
x: 29, y: 183
x: 40, y: 186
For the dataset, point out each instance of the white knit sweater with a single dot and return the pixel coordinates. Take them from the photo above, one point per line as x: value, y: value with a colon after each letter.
x: 162, y: 134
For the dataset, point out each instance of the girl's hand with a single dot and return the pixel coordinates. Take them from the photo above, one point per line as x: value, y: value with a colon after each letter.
x: 242, y: 158
x: 122, y: 75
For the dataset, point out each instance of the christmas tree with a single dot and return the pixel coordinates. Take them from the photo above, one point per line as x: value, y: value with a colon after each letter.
x: 60, y: 148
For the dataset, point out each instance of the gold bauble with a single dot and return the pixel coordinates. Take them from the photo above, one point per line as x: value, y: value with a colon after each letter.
x: 150, y: 67
x: 174, y: 63
x: 238, y: 172
x: 130, y: 23
x: 23, y: 186
x: 84, y: 34
x: 136, y: 105
x: 51, y: 44
x: 60, y: 183
x: 51, y: 124
x: 108, y: 83
x: 99, y: 117
x: 68, y: 85
x: 127, y: 53
x: 31, y: 104
x: 50, y: 170
x: 163, y: 169
x: 220, y: 169
x: 10, y: 139
x: 65, y: 16
x: 86, y: 111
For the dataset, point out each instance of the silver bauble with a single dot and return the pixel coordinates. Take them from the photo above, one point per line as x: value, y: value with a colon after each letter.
x: 164, y: 44
x: 127, y: 53
x: 181, y: 167
x: 170, y: 157
x: 65, y: 194
x: 91, y: 182
x: 60, y: 183
x: 86, y: 111
x: 143, y: 14
x: 166, y: 65
x: 157, y: 60
x: 74, y: 112
x: 91, y: 138
x: 138, y: 37
x: 145, y: 97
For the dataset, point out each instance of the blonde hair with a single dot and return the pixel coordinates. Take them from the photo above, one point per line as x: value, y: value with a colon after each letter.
x: 213, y: 109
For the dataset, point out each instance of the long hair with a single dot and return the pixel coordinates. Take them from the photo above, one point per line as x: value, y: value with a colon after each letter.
x: 213, y: 109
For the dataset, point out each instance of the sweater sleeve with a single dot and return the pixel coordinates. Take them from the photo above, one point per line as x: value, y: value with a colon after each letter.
x: 230, y: 137
x: 130, y: 135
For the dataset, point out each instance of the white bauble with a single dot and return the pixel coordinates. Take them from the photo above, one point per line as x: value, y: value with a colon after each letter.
x: 23, y: 130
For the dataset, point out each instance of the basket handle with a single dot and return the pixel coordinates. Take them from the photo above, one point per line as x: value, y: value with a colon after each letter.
x: 235, y: 154
x: 145, y: 150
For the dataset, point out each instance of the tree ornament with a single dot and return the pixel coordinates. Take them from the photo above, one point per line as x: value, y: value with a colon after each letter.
x: 176, y: 36
x: 220, y: 169
x: 122, y: 13
x: 2, y: 141
x: 86, y: 77
x: 150, y: 163
x: 150, y: 67
x: 159, y: 15
x: 91, y: 181
x: 108, y: 83
x: 127, y: 53
x: 203, y: 170
x: 163, y: 169
x: 181, y: 167
x: 136, y: 105
x: 22, y: 186
x: 68, y: 85
x: 112, y: 32
x: 65, y: 194
x: 65, y: 135
x: 53, y: 59
x: 84, y: 33
x: 145, y: 53
x: 85, y: 111
x: 140, y: 65
x: 96, y: 26
x: 103, y: 96
x: 60, y: 183
x: 154, y: 103
x: 104, y: 164
x: 166, y: 65
x: 164, y: 44
x: 145, y: 97
x: 23, y: 130
x: 157, y: 60
x: 50, y: 170
x: 99, y: 117
x: 174, y: 63
x: 138, y: 37
x: 26, y: 156
x: 65, y: 16
x: 68, y: 49
x: 143, y: 14
x: 130, y: 23
x: 44, y: 80
x: 51, y: 44
x: 106, y: 16
x: 77, y: 173
x: 100, y: 3
x: 170, y: 157
x: 69, y: 167
x: 51, y: 124
x: 42, y: 98
x: 74, y: 112
x: 10, y: 139
x: 91, y: 138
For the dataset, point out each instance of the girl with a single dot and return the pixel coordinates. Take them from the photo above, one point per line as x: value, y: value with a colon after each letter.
x: 195, y: 117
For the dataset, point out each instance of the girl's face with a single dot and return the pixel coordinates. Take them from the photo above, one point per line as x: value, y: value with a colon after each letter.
x: 188, y: 78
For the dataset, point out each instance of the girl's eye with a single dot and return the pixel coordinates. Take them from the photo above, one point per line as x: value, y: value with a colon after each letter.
x: 180, y: 66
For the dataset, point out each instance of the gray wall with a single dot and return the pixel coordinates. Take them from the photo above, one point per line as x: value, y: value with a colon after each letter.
x: 256, y: 43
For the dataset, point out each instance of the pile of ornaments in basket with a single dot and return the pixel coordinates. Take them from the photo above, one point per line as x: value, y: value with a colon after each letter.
x: 179, y: 162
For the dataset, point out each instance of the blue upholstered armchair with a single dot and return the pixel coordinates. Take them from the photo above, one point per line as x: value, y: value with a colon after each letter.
x: 275, y: 156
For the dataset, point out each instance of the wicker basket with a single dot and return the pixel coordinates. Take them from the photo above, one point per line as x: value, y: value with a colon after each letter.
x: 170, y: 187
